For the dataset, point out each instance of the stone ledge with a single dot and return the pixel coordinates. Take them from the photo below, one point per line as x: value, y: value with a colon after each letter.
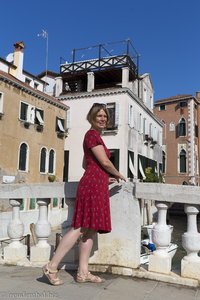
x: 172, y: 278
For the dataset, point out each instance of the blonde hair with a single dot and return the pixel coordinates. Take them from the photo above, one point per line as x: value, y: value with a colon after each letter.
x: 96, y: 107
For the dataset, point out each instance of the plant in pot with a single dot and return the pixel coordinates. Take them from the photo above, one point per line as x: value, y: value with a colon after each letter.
x: 51, y: 178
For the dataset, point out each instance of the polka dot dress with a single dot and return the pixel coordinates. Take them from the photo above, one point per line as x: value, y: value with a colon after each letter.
x: 92, y: 207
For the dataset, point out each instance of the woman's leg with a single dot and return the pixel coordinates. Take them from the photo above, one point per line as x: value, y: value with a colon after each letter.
x: 85, y: 247
x: 66, y: 243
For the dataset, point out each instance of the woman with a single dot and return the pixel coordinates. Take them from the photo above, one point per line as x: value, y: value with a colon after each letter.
x: 92, y: 209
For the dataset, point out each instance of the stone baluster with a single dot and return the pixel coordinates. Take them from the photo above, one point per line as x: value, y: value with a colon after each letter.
x: 40, y: 253
x: 160, y: 260
x: 190, y: 264
x: 16, y: 251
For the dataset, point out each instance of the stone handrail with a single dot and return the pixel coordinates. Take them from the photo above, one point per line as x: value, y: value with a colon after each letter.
x: 119, y: 251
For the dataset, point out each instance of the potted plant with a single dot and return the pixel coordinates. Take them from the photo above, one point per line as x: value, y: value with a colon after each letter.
x: 52, y: 178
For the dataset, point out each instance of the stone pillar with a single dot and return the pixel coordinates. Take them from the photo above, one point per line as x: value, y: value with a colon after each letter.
x: 40, y: 253
x: 125, y: 77
x: 15, y: 252
x: 90, y: 81
x: 190, y: 264
x: 119, y: 251
x: 59, y: 86
x: 160, y: 260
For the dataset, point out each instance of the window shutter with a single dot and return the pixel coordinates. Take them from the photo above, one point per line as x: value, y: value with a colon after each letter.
x: 68, y: 119
x: 146, y: 127
x: 31, y: 114
x: 129, y: 114
x: 116, y: 114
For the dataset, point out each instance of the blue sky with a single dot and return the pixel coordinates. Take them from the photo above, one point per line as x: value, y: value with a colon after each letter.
x: 166, y: 33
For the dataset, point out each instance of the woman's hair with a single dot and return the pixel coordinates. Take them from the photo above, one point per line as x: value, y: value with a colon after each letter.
x: 96, y: 107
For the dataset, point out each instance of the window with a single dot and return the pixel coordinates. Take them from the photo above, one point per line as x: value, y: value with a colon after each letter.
x: 36, y: 85
x: 31, y: 114
x: 145, y: 129
x: 130, y: 116
x: 182, y: 161
x: 113, y: 116
x: 114, y: 157
x: 181, y: 128
x: 140, y: 123
x: 163, y: 162
x: 183, y: 104
x: 43, y: 160
x: 150, y: 130
x: 60, y: 125
x: 162, y: 107
x: 1, y: 103
x: 196, y: 131
x: 23, y: 157
x: 145, y: 95
x: 27, y: 81
x: 51, y: 161
x: 23, y: 111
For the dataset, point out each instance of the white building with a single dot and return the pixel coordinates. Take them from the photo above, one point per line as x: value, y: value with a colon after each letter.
x: 134, y: 133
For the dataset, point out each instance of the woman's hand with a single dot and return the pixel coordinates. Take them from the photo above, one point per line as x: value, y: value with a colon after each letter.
x: 116, y: 179
x: 112, y: 180
x: 120, y: 177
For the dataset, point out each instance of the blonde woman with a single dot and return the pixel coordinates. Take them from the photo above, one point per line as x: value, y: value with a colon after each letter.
x: 92, y: 208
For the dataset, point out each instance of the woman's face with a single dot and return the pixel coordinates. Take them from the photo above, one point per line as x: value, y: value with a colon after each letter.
x: 100, y: 121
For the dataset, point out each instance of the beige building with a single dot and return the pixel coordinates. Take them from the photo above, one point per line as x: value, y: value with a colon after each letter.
x: 32, y: 125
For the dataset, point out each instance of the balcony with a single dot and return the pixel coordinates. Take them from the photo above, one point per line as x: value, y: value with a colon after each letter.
x: 118, y: 252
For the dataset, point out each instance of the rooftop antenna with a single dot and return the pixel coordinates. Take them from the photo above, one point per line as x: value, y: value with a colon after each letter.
x: 44, y: 34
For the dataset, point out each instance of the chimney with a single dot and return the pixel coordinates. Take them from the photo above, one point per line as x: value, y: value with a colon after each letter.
x: 198, y: 95
x: 18, y: 60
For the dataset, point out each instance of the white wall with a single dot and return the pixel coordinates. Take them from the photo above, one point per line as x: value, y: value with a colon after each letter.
x: 125, y: 138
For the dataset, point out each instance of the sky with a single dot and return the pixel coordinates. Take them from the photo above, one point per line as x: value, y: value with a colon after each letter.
x: 165, y: 33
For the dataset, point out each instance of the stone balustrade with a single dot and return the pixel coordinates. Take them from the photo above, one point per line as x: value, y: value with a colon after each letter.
x: 116, y: 252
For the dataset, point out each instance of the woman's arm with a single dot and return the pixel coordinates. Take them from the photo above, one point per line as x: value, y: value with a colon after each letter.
x: 84, y: 163
x: 105, y: 162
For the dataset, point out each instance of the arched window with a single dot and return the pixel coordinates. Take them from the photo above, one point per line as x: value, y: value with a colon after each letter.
x: 181, y: 128
x: 163, y: 162
x: 182, y: 161
x: 23, y: 157
x: 43, y: 160
x: 51, y: 161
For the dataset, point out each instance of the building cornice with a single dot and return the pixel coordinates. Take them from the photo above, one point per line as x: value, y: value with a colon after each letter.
x: 4, y: 77
x: 110, y: 92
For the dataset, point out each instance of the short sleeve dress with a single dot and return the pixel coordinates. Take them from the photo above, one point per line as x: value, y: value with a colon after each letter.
x: 92, y: 206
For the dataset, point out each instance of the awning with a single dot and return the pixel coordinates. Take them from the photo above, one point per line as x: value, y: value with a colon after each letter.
x: 141, y: 170
x: 39, y: 117
x: 60, y: 126
x: 131, y: 167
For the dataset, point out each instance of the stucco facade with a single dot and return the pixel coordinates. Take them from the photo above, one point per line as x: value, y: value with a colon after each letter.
x: 179, y: 115
x: 32, y: 126
x: 134, y: 137
x: 127, y: 139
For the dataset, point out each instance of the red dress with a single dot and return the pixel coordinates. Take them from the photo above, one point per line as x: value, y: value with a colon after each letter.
x: 92, y: 206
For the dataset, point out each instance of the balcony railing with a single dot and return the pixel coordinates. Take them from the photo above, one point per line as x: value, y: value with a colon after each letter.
x: 119, y: 251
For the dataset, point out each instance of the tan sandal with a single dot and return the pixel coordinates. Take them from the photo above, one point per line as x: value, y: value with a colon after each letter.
x: 47, y: 272
x: 82, y: 278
